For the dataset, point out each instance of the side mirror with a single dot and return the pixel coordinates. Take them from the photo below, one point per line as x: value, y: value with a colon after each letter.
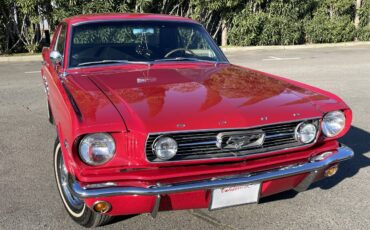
x: 56, y: 58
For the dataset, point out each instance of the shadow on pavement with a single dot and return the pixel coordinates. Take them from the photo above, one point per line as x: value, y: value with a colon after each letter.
x: 359, y: 141
x: 120, y: 218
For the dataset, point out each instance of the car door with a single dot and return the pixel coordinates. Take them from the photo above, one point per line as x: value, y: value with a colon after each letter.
x: 52, y: 74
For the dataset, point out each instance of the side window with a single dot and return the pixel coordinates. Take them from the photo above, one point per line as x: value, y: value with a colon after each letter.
x: 61, y: 40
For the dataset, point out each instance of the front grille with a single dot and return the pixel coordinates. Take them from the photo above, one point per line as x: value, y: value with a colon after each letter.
x: 195, y: 145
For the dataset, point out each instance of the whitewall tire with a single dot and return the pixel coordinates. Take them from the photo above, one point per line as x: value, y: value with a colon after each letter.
x: 75, y: 207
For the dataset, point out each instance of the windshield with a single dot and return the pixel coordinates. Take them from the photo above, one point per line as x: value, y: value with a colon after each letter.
x: 102, y: 43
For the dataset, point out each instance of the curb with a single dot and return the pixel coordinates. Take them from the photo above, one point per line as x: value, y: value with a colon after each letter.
x: 21, y: 58
x: 293, y: 47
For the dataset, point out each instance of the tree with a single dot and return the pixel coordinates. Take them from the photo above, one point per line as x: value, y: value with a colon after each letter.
x: 29, y: 14
x: 357, y: 17
x: 7, y: 33
x: 235, y: 22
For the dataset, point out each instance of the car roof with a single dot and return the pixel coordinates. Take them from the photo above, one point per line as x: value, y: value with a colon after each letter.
x: 123, y: 16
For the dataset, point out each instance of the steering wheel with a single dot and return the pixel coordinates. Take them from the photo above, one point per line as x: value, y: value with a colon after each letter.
x: 179, y: 49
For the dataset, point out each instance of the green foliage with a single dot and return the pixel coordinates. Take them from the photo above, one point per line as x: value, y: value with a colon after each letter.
x: 323, y: 29
x: 281, y: 31
x: 248, y: 22
x: 363, y: 33
x: 64, y: 9
x: 337, y: 7
x: 275, y: 22
x: 246, y: 28
x: 332, y: 22
x: 364, y: 13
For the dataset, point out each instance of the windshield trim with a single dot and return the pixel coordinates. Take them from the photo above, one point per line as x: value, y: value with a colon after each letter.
x: 147, y: 63
x: 219, y: 54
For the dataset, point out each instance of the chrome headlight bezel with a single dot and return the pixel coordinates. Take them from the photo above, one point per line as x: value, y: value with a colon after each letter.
x: 91, y: 148
x: 166, y: 154
x: 333, y: 123
x: 306, y: 132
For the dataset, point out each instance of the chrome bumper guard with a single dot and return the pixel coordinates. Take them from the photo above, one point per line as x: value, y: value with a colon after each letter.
x: 312, y: 167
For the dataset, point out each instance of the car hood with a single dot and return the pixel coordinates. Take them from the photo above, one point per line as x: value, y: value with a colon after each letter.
x: 174, y: 97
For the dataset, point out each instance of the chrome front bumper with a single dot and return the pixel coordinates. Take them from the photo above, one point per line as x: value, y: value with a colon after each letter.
x: 312, y: 167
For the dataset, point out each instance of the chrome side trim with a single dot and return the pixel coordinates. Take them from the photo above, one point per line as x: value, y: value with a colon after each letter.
x: 338, y: 155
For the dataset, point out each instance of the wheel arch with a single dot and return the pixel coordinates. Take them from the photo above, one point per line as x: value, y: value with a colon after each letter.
x: 66, y: 150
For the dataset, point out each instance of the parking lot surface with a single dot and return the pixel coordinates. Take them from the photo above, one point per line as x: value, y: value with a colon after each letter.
x: 28, y: 193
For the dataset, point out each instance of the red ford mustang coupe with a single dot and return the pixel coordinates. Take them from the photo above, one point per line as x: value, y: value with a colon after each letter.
x: 151, y: 116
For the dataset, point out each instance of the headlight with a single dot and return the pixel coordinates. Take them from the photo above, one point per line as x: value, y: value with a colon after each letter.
x: 97, y: 148
x: 305, y: 132
x: 333, y: 123
x: 165, y: 148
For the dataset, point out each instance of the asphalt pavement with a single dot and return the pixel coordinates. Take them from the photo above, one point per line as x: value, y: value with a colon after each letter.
x: 28, y: 193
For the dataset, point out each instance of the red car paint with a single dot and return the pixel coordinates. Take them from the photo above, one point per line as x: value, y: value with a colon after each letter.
x: 130, y: 101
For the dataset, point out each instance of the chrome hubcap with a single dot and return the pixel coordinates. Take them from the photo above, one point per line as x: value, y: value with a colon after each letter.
x: 72, y: 200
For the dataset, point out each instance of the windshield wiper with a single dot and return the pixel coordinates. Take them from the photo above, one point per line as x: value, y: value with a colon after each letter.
x: 183, y: 59
x: 109, y: 62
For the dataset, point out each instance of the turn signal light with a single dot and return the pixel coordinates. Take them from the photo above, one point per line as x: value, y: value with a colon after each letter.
x: 101, y: 206
x: 331, y: 171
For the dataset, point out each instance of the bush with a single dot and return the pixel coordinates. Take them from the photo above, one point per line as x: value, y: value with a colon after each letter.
x: 274, y: 22
x: 364, y: 13
x: 246, y: 28
x: 264, y: 29
x: 323, y: 29
x: 281, y: 31
x: 363, y: 34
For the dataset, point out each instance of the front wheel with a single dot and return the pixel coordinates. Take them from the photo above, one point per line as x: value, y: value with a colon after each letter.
x: 75, y: 207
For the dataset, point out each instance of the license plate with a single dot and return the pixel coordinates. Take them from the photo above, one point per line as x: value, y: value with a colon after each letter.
x: 233, y: 196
